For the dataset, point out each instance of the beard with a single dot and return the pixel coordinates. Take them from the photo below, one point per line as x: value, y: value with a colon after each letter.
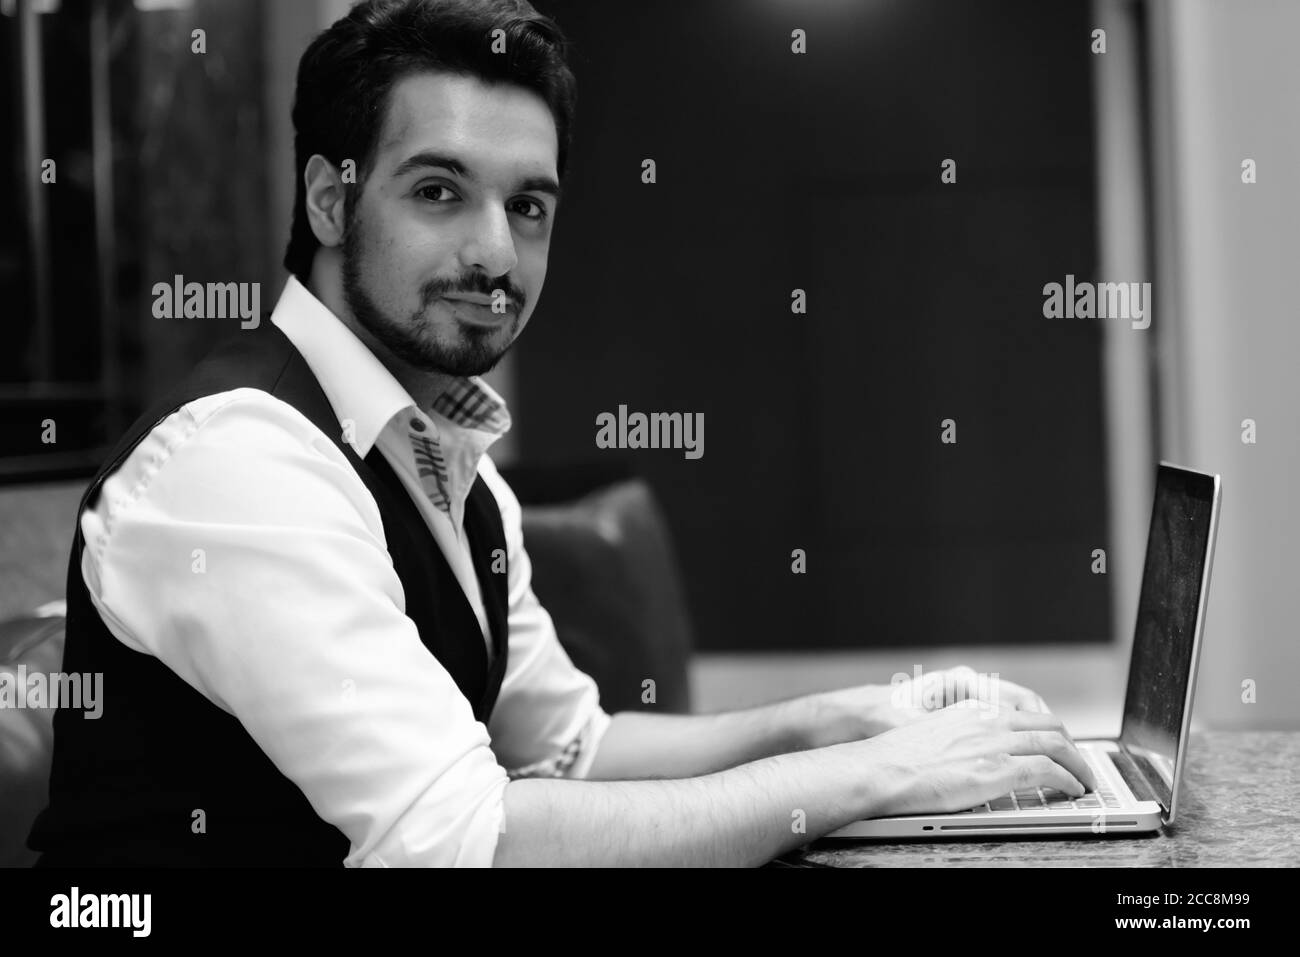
x: 414, y: 339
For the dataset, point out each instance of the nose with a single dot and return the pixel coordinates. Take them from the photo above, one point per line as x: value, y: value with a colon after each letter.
x: 490, y: 246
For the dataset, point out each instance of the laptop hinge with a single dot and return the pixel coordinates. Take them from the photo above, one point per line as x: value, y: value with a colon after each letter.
x: 1137, y: 768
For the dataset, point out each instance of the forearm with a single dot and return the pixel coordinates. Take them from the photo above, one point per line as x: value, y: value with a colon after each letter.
x: 743, y: 816
x: 642, y: 745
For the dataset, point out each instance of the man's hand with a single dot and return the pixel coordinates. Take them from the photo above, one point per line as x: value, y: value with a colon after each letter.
x: 947, y: 760
x: 971, y: 752
x: 850, y: 714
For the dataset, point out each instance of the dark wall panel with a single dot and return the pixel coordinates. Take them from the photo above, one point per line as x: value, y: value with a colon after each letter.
x: 821, y: 172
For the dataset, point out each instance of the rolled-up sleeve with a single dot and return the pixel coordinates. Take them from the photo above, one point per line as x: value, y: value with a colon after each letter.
x: 238, y: 546
x: 547, y: 721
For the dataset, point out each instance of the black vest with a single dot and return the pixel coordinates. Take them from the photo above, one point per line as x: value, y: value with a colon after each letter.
x: 124, y: 787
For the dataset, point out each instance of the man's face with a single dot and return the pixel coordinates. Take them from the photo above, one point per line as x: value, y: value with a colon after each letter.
x: 455, y: 205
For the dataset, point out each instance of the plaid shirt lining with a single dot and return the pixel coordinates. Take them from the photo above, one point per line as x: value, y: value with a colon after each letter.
x: 556, y: 767
x: 468, y: 405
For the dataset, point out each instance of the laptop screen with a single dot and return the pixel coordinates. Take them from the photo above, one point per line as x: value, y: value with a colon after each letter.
x: 1164, y: 641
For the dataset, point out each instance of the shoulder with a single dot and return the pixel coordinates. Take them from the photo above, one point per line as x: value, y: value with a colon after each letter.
x: 242, y: 455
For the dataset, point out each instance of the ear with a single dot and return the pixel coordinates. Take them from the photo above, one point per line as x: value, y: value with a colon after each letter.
x: 325, y: 192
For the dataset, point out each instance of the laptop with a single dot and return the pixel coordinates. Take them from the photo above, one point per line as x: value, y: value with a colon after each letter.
x: 1138, y: 774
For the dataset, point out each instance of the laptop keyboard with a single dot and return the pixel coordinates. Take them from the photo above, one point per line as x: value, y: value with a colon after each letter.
x: 1050, y: 799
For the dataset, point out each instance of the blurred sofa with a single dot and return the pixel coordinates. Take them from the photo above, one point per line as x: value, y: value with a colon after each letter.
x: 603, y: 566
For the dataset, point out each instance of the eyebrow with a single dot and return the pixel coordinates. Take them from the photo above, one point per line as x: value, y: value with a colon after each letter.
x: 427, y: 159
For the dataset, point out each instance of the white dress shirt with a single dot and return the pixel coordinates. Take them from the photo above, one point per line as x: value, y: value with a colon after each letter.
x: 238, y: 546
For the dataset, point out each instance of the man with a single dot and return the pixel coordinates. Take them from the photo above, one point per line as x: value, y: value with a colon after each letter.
x: 305, y: 582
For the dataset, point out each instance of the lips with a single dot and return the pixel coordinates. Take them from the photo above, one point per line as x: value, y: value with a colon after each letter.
x: 478, y: 314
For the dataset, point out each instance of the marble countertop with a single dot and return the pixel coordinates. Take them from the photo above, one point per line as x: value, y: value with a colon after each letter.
x: 1238, y: 807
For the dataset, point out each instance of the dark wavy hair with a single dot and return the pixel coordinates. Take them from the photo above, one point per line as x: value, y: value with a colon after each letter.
x: 346, y: 75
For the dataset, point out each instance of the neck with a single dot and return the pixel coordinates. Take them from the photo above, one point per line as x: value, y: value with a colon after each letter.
x: 326, y: 284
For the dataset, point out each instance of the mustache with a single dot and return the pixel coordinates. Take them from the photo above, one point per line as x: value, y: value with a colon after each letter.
x: 476, y: 283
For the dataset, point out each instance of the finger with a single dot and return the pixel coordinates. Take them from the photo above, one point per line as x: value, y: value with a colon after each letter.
x: 962, y: 683
x: 1018, y: 697
x: 1033, y: 721
x: 1038, y: 770
x: 976, y: 704
x: 1054, y: 745
x: 1037, y: 721
x: 936, y: 686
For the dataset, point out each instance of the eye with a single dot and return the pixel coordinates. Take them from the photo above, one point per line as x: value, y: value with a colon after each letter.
x: 540, y: 213
x: 424, y: 190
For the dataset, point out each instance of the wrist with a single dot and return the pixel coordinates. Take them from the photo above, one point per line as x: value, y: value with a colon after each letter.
x: 878, y: 781
x: 835, y: 717
x: 793, y: 725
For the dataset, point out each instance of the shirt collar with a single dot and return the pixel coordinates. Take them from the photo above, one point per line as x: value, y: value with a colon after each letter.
x: 359, y: 387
